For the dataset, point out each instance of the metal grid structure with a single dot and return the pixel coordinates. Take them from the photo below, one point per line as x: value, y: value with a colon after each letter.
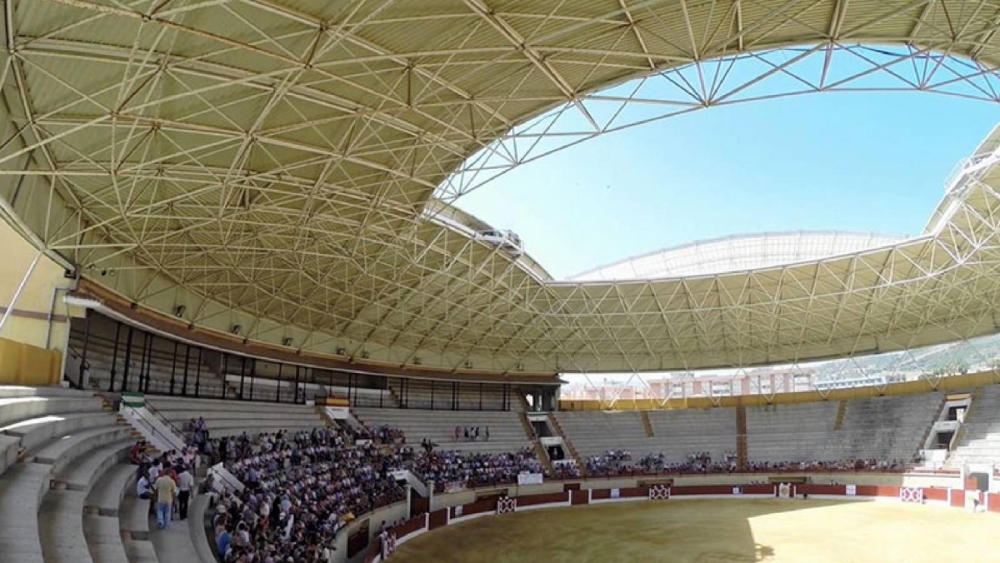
x: 277, y: 165
x: 737, y: 253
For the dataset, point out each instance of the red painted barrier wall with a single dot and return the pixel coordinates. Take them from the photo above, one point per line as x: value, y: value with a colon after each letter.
x: 408, y: 527
x: 439, y: 518
x: 935, y: 494
x: 578, y: 497
x: 532, y: 500
x: 877, y: 491
x: 599, y: 494
x: 958, y: 498
x: 478, y: 507
x: 634, y: 492
x: 762, y: 489
x: 702, y: 490
x: 817, y: 489
x: 992, y: 502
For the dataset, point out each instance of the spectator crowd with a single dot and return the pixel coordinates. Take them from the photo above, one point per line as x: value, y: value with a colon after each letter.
x: 301, y: 488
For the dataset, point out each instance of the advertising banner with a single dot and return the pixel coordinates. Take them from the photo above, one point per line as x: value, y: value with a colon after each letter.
x: 530, y: 479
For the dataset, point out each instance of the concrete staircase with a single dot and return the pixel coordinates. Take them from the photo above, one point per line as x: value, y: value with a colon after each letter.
x: 647, y: 424
x: 741, y: 436
x: 838, y: 423
x: 568, y: 443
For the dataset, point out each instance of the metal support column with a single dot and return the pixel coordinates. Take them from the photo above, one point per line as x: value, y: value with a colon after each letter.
x: 114, y: 357
x: 225, y: 372
x: 197, y: 375
x: 296, y: 385
x: 253, y: 375
x: 243, y: 374
x: 173, y: 368
x: 128, y: 358
x: 84, y: 367
x: 187, y: 364
x: 277, y: 394
x: 17, y: 292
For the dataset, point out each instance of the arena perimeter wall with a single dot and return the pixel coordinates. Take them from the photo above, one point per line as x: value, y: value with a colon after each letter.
x: 452, y: 508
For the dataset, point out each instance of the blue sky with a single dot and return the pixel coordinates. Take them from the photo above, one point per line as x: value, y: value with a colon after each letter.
x: 869, y: 162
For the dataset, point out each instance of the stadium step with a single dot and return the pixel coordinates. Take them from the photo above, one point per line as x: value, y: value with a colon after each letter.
x: 841, y: 413
x: 526, y: 425
x: 742, y: 454
x: 543, y: 457
x: 567, y: 442
x: 647, y: 424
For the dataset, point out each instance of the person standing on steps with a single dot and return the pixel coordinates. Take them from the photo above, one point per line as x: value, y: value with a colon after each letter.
x: 165, y: 489
x: 185, y: 485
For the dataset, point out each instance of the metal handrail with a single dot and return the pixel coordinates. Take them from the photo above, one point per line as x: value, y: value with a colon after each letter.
x: 162, y: 418
x: 147, y: 424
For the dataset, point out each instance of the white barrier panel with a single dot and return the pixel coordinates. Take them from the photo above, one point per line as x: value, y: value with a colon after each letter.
x: 911, y: 494
x: 659, y: 492
x: 851, y: 490
x: 530, y: 479
x: 506, y: 505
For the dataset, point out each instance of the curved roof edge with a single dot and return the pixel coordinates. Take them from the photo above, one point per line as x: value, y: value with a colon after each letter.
x: 875, y: 240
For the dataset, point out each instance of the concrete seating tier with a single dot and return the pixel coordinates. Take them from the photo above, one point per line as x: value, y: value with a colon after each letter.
x: 680, y: 432
x: 106, y: 497
x: 887, y: 428
x: 60, y: 523
x: 980, y: 442
x: 22, y: 408
x: 800, y: 432
x: 61, y: 452
x: 21, y: 490
x: 10, y: 448
x: 196, y: 523
x: 104, y: 538
x: 225, y: 418
x: 677, y: 433
x: 140, y: 551
x: 594, y: 433
x: 506, y: 432
x: 36, y: 431
x: 134, y: 517
x: 81, y: 475
x: 70, y: 442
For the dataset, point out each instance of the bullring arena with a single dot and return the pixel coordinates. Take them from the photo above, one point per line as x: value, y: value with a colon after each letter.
x: 244, y: 317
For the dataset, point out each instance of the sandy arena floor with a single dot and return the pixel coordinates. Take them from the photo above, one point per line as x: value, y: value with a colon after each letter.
x: 721, y: 531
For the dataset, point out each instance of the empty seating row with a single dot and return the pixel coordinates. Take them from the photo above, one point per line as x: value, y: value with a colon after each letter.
x: 421, y: 394
x: 676, y: 433
x: 158, y: 364
x: 505, y: 429
x: 980, y: 434
x: 59, y: 499
x: 226, y: 418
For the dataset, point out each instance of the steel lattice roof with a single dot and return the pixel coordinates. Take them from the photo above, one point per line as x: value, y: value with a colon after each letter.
x: 286, y: 165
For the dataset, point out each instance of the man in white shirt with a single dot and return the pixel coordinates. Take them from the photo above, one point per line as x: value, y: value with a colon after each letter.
x: 142, y: 487
x: 185, y: 486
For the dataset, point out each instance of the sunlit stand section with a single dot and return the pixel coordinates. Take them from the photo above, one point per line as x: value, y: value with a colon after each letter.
x: 945, y: 431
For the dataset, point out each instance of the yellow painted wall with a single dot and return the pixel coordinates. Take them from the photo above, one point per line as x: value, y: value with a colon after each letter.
x: 36, y: 297
x: 23, y: 364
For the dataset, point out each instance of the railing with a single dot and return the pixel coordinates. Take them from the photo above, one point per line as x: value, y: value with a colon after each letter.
x: 140, y: 418
x: 166, y: 421
x: 222, y: 476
